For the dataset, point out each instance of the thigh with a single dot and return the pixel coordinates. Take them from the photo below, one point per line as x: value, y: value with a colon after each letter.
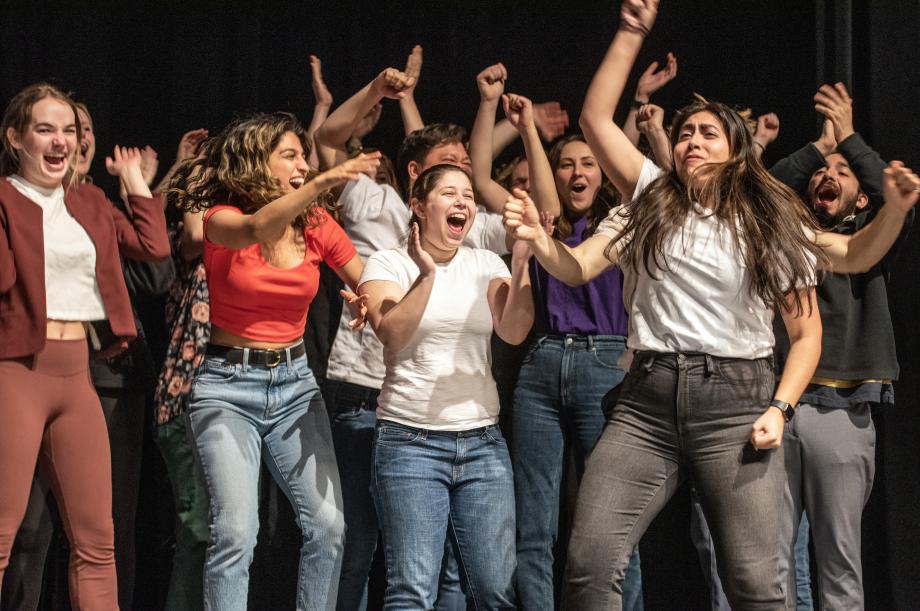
x: 301, y: 458
x: 410, y: 483
x: 482, y: 517
x: 596, y: 371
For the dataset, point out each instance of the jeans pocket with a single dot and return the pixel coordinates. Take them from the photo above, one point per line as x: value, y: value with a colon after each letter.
x: 301, y: 369
x: 396, y: 435
x: 493, y: 434
x: 741, y: 371
x: 608, y: 358
x: 216, y: 370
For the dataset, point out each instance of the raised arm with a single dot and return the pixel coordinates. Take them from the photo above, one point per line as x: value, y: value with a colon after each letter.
x: 519, y: 111
x: 491, y: 84
x: 270, y: 221
x: 767, y: 131
x: 142, y: 236
x: 188, y: 148
x: 412, y: 118
x: 650, y: 121
x: 619, y: 158
x: 651, y: 81
x: 341, y: 124
x: 511, y: 301
x: 320, y: 156
x: 858, y: 253
x: 574, y: 266
x: 394, y: 314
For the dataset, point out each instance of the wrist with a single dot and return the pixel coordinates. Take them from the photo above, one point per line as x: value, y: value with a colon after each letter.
x: 784, y: 409
x: 638, y: 29
x: 640, y: 99
x: 844, y: 134
x: 762, y: 146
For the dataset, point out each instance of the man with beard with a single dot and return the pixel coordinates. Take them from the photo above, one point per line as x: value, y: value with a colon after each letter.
x: 830, y: 444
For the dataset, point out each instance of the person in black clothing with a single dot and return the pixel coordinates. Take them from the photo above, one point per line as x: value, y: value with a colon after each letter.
x: 830, y: 444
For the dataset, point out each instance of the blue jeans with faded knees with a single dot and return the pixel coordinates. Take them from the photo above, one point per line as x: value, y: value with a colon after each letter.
x: 241, y: 414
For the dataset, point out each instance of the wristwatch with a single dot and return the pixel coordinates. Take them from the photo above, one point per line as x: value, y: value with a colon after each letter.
x: 787, y: 409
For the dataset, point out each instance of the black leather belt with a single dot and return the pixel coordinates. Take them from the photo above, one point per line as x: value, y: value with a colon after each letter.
x: 268, y: 358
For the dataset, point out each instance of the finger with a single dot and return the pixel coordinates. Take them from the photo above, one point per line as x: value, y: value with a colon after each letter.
x: 651, y: 69
x: 841, y: 90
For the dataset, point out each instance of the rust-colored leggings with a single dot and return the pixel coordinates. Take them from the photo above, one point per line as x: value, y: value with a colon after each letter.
x: 49, y: 411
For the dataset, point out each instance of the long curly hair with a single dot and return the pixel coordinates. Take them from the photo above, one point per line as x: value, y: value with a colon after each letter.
x: 232, y: 168
x: 768, y: 223
x: 605, y: 198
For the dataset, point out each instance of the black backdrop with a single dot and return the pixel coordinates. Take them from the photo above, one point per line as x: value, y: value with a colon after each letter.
x: 151, y: 70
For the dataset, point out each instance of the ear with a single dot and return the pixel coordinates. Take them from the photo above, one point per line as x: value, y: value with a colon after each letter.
x: 13, y: 138
x: 417, y: 208
x: 862, y: 200
x: 414, y: 169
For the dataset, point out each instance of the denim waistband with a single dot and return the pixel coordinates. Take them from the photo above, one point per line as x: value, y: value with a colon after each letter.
x: 644, y: 360
x: 477, y: 432
x: 570, y: 339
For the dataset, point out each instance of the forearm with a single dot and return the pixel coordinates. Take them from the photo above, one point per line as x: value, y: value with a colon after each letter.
x: 270, y: 221
x: 558, y: 260
x: 411, y: 117
x: 660, y: 144
x: 866, y: 163
x: 320, y: 113
x: 610, y: 80
x: 340, y: 125
x: 134, y: 183
x: 795, y: 170
x: 491, y: 194
x: 542, y: 182
x: 503, y: 134
x: 804, y: 353
x: 396, y: 328
x: 518, y: 312
x: 629, y: 126
x: 869, y: 245
x: 191, y: 241
x: 142, y: 236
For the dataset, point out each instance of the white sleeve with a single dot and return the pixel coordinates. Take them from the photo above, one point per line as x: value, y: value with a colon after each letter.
x: 363, y: 198
x: 649, y: 173
x: 613, y: 225
x: 386, y: 265
x: 488, y: 232
x: 493, y: 265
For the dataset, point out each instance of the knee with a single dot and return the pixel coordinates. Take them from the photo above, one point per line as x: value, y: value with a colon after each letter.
x: 326, y: 526
x: 234, y: 534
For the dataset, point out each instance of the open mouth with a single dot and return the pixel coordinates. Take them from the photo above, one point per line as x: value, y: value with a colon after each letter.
x: 55, y: 161
x: 456, y: 222
x: 579, y: 187
x: 296, y: 181
x: 827, y: 192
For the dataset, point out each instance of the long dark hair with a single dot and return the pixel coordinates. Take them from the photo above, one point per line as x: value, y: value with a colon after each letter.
x: 232, y: 168
x: 767, y: 220
x: 605, y: 198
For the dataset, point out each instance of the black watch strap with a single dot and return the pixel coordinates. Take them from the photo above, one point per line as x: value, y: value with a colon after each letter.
x: 787, y: 409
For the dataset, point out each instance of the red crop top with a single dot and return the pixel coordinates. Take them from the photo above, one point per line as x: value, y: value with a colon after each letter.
x: 258, y: 301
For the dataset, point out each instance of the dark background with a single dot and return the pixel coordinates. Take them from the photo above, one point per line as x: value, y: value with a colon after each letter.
x: 151, y: 70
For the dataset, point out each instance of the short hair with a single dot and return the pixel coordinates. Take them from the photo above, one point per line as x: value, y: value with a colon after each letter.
x: 416, y: 146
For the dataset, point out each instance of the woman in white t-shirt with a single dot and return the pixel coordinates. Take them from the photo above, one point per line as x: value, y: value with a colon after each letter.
x: 441, y: 467
x: 708, y: 250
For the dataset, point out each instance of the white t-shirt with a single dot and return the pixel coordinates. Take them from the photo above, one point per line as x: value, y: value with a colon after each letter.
x: 702, y: 302
x: 71, y: 289
x: 442, y: 379
x: 375, y: 218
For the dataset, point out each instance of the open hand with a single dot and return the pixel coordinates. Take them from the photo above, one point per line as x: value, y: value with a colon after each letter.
x: 321, y: 93
x: 834, y: 102
x: 149, y: 164
x: 123, y: 160
x: 551, y: 120
x: 358, y: 306
x: 826, y: 142
x: 189, y: 144
x: 653, y: 79
x: 365, y: 163
x: 901, y: 186
x: 767, y: 431
x: 413, y: 68
x: 491, y: 82
x: 421, y: 258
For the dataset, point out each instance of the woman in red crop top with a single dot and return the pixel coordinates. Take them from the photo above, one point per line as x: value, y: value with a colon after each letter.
x: 266, y: 230
x: 59, y: 268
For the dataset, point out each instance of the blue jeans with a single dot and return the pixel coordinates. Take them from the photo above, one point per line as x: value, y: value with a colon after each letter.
x: 558, y: 397
x: 235, y: 411
x: 431, y: 485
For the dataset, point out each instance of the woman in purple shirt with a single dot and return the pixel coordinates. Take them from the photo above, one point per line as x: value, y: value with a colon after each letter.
x: 580, y: 334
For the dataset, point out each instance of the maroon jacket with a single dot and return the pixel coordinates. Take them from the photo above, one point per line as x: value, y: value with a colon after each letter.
x: 23, y: 316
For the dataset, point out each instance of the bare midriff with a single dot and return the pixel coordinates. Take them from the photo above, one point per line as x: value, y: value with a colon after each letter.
x: 223, y: 337
x: 65, y: 330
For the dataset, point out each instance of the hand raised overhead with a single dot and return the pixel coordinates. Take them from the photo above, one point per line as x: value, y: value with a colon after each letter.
x: 321, y: 93
x: 491, y: 81
x: 901, y: 186
x: 653, y: 79
x: 551, y: 120
x: 519, y: 111
x: 638, y: 16
x: 835, y: 103
x: 393, y: 84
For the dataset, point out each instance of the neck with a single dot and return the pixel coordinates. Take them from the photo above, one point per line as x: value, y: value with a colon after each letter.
x: 439, y: 255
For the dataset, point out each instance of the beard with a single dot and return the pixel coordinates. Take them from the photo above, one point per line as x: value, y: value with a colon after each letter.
x: 827, y: 220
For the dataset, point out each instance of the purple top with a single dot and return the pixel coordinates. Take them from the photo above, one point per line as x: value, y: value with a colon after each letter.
x: 595, y: 308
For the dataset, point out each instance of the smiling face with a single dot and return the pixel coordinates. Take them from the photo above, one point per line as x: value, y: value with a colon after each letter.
x: 87, y: 142
x: 445, y: 213
x: 701, y: 140
x: 46, y: 146
x: 834, y: 193
x: 451, y: 153
x: 288, y: 162
x: 578, y: 177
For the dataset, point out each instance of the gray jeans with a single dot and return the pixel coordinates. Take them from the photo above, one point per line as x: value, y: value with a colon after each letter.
x: 830, y: 465
x: 683, y: 415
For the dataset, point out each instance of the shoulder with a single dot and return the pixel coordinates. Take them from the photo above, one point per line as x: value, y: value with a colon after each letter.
x: 650, y: 173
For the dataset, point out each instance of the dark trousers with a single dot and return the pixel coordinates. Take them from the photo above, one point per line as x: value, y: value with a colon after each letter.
x: 682, y: 415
